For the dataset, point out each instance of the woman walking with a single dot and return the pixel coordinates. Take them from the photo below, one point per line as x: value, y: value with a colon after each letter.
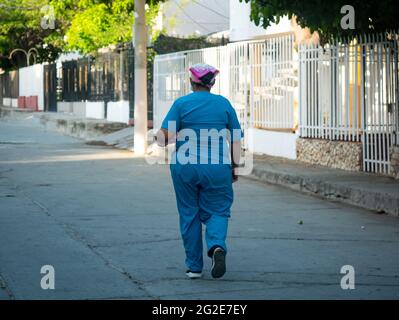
x: 203, y: 167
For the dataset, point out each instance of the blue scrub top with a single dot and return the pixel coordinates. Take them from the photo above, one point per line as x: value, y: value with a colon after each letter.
x: 210, y: 121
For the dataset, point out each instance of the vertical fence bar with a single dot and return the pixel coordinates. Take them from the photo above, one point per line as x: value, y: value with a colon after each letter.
x: 362, y: 104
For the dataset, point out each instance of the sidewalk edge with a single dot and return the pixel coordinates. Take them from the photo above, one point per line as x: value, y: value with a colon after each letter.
x: 375, y: 201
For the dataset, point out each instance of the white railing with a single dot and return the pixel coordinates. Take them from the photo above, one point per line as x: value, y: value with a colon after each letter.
x: 258, y: 77
x: 273, y: 82
x: 329, y: 92
x: 349, y: 92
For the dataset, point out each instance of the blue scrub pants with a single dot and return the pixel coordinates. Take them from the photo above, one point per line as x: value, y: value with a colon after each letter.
x: 204, y: 194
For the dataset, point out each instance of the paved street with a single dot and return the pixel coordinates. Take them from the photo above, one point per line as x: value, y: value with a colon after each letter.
x: 108, y: 224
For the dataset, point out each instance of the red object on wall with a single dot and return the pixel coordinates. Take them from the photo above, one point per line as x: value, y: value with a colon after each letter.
x: 32, y: 102
x: 27, y: 102
x: 22, y: 102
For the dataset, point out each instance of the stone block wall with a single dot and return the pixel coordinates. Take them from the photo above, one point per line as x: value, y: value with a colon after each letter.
x: 395, y: 162
x: 334, y: 154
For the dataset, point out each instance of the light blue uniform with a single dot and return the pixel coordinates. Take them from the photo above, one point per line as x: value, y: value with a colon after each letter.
x: 204, y: 191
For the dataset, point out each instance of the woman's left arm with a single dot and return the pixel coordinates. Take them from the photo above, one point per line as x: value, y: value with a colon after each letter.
x: 170, y: 126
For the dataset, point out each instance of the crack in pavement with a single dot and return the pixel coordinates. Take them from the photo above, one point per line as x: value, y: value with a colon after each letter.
x: 320, y: 274
x: 253, y: 290
x: 220, y: 291
x: 271, y: 282
x: 73, y: 234
x: 286, y: 285
x: 313, y: 239
x: 4, y: 286
x: 128, y: 243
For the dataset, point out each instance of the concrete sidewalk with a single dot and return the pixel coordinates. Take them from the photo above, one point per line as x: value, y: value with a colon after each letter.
x: 369, y: 191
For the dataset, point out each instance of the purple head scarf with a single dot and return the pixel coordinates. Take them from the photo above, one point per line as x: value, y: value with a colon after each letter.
x: 204, y: 74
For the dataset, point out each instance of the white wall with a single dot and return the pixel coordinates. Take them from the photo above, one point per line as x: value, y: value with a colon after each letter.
x: 7, y: 102
x: 79, y: 109
x: 242, y: 28
x: 118, y: 111
x: 278, y: 144
x: 182, y: 18
x: 31, y: 83
x: 95, y: 110
x: 63, y: 106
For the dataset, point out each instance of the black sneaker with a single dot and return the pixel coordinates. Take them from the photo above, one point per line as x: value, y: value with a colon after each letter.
x: 193, y: 275
x: 218, y: 263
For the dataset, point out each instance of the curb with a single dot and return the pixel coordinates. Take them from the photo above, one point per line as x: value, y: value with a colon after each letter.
x: 375, y: 201
x: 15, y: 112
x: 81, y: 128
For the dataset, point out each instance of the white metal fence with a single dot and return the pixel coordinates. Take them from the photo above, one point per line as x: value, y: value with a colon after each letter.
x: 258, y: 77
x: 349, y: 92
x: 273, y: 82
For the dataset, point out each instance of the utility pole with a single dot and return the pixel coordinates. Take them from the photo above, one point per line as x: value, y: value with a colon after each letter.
x: 140, y: 78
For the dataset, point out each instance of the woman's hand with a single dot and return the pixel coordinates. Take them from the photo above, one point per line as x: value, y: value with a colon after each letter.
x: 235, y: 149
x: 233, y: 172
x: 164, y: 137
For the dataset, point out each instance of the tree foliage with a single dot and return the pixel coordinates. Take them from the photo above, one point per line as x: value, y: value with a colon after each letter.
x: 82, y: 25
x: 325, y: 16
x: 102, y: 23
x: 20, y: 28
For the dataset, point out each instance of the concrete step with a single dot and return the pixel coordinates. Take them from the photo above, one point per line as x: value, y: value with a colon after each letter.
x: 15, y: 112
x: 82, y: 128
x: 72, y: 125
x: 122, y: 139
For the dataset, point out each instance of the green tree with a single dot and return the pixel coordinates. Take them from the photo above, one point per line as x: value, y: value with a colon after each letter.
x: 82, y: 25
x: 98, y: 23
x: 325, y: 16
x: 20, y: 27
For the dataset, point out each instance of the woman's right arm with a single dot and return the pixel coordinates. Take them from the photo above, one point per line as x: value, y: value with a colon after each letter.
x: 164, y: 137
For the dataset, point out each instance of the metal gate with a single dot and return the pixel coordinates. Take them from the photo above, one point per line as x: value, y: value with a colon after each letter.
x: 50, y: 87
x: 380, y: 72
x: 349, y: 92
x: 273, y: 83
x: 263, y: 82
